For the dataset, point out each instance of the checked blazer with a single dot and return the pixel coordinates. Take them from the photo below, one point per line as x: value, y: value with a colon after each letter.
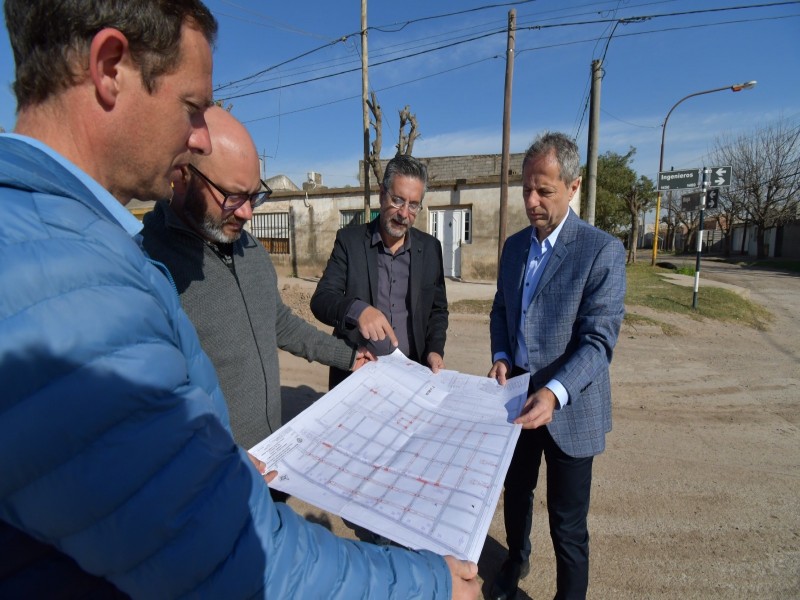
x: 571, y: 327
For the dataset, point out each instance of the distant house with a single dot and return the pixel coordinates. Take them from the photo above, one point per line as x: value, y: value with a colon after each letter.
x: 782, y: 241
x: 281, y: 183
x: 460, y: 209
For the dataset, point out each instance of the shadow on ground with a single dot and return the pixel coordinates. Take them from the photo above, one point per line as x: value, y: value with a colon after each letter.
x: 295, y: 400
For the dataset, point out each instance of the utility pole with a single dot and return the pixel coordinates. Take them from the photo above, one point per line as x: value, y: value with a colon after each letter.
x: 594, y: 134
x: 504, y: 159
x: 364, y: 105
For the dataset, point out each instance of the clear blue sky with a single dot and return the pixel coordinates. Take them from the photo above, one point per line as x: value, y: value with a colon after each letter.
x: 457, y: 91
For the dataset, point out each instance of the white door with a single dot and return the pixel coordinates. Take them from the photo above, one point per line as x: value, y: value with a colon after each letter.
x: 447, y: 226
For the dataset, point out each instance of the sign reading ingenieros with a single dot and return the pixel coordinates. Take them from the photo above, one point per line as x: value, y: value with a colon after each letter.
x: 679, y: 180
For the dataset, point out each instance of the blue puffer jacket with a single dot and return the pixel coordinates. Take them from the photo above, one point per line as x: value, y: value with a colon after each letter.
x: 114, y: 441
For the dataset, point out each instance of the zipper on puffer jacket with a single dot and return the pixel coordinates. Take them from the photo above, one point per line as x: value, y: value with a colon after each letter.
x: 163, y: 268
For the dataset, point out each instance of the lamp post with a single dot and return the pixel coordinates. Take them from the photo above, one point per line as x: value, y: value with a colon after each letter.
x: 737, y: 87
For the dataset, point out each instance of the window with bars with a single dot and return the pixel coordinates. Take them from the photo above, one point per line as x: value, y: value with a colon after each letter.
x: 349, y: 218
x: 272, y: 230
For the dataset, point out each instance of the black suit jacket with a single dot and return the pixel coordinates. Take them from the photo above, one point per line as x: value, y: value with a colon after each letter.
x: 352, y: 274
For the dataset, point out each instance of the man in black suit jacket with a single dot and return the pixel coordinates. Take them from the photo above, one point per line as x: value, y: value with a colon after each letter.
x: 384, y: 282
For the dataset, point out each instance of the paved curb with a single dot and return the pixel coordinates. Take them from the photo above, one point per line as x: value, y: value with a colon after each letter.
x: 688, y: 281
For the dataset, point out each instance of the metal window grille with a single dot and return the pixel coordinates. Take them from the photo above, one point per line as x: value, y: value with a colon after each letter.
x: 272, y: 230
x: 350, y: 218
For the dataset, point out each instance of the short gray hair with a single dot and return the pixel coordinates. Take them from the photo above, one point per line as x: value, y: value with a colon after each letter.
x: 565, y: 150
x: 407, y: 165
x: 51, y: 40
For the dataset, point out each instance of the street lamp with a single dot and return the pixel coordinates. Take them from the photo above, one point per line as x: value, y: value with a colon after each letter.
x: 736, y: 87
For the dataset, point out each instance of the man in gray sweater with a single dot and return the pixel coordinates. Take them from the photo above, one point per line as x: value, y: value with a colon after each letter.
x: 227, y: 283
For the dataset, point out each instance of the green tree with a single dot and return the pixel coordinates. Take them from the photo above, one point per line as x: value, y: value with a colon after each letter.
x: 621, y: 197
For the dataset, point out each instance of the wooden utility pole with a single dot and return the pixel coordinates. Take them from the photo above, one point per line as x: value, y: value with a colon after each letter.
x: 365, y: 106
x: 594, y: 134
x: 504, y: 167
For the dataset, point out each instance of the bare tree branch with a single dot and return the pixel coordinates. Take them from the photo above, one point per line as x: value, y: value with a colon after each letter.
x: 405, y: 143
x: 377, y: 125
x: 766, y: 167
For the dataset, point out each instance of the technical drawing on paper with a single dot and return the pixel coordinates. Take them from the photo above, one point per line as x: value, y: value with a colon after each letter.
x: 416, y: 457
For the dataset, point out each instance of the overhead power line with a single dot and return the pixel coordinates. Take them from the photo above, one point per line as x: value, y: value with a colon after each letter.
x: 405, y: 24
x: 344, y: 38
x: 388, y: 87
x: 625, y: 20
x: 521, y: 51
x: 376, y: 64
x: 532, y: 49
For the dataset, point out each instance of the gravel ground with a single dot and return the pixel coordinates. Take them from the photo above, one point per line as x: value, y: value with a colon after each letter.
x: 697, y: 493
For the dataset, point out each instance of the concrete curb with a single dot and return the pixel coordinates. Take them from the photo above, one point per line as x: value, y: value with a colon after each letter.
x: 688, y: 281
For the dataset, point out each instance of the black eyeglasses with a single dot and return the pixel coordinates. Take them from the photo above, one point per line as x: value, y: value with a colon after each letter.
x: 233, y: 200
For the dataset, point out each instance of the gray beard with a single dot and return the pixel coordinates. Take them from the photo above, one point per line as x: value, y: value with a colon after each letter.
x: 392, y: 229
x: 208, y: 226
x: 213, y: 230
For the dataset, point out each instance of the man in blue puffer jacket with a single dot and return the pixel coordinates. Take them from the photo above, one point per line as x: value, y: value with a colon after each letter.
x: 118, y: 472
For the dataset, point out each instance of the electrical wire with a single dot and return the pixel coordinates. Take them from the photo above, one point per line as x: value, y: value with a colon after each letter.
x: 626, y: 20
x: 388, y: 87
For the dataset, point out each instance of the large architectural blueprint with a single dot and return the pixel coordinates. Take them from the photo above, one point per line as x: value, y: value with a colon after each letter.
x: 416, y: 457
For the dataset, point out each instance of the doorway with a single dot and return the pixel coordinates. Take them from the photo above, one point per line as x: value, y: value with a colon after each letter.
x: 452, y: 227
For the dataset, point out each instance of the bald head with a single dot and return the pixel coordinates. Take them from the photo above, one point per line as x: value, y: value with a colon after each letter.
x: 231, y: 168
x: 231, y: 144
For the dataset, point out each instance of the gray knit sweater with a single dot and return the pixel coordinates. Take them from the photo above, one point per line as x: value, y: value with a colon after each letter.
x: 240, y: 320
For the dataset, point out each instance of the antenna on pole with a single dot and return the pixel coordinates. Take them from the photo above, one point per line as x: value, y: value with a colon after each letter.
x: 262, y: 163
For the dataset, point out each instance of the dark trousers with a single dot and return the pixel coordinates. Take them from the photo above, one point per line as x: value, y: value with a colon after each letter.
x: 569, y: 482
x: 336, y: 376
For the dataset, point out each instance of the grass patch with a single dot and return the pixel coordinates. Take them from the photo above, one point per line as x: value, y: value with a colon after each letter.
x: 685, y: 271
x: 647, y: 288
x: 471, y: 307
x: 635, y: 320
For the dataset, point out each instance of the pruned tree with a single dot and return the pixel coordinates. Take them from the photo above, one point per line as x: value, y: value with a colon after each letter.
x: 727, y: 213
x: 690, y: 220
x: 638, y: 199
x: 405, y: 143
x: 668, y: 202
x: 377, y: 124
x: 766, y: 167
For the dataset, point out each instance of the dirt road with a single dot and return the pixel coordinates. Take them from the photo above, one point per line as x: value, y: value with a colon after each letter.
x: 697, y: 494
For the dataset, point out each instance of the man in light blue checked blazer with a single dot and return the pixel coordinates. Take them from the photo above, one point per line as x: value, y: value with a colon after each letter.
x: 556, y: 316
